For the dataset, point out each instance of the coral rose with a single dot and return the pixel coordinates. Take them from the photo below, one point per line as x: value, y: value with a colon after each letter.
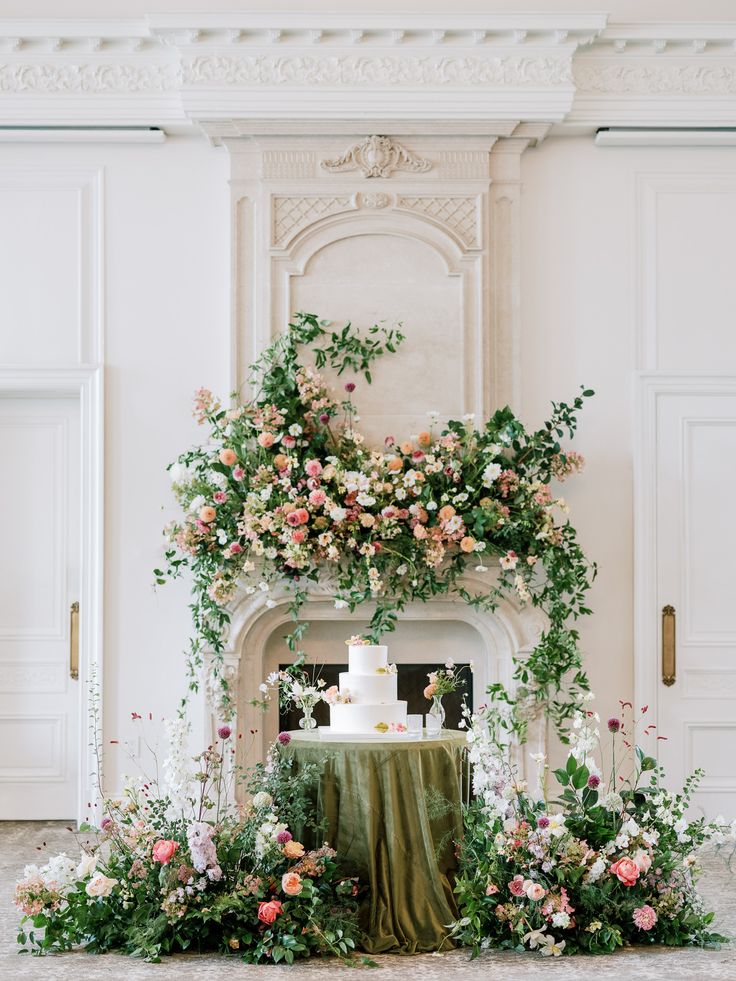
x: 293, y: 849
x: 266, y: 440
x: 424, y: 439
x: 303, y: 515
x: 291, y: 883
x: 267, y: 912
x: 207, y: 514
x: 228, y: 457
x: 395, y: 463
x: 163, y: 850
x: 298, y: 536
x: 280, y: 461
x: 467, y: 544
x: 626, y: 871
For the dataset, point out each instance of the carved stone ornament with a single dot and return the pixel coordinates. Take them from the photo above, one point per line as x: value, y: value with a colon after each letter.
x: 377, y: 156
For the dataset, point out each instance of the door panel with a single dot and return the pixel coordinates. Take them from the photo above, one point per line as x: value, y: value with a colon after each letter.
x: 695, y: 546
x: 39, y: 577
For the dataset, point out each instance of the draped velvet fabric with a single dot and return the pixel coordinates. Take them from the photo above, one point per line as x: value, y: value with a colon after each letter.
x: 393, y: 814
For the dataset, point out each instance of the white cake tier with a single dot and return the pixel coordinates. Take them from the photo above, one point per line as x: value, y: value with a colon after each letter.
x: 365, y: 717
x: 374, y: 688
x: 367, y: 658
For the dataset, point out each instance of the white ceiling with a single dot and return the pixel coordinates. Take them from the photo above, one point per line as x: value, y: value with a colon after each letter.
x: 620, y: 11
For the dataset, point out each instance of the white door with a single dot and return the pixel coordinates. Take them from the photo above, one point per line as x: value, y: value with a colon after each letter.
x: 39, y: 579
x: 691, y: 481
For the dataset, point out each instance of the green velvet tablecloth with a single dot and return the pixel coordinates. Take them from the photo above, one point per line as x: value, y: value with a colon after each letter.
x: 383, y: 802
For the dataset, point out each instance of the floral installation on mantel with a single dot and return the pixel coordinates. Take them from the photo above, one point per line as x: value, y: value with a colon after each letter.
x: 612, y: 861
x: 175, y: 866
x: 286, y: 491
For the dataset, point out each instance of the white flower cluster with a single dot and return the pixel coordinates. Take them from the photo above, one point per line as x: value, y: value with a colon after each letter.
x: 178, y: 779
x: 492, y: 777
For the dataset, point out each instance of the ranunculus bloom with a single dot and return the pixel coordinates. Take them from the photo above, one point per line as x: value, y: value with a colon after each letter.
x: 281, y: 461
x: 516, y: 886
x: 293, y: 849
x: 265, y: 440
x: 467, y: 544
x: 207, y: 514
x: 430, y: 690
x: 267, y: 912
x: 298, y: 536
x: 643, y: 860
x: 313, y: 468
x: 644, y: 917
x: 424, y: 439
x: 447, y: 512
x: 291, y: 883
x: 317, y: 498
x: 228, y: 457
x: 626, y: 871
x: 100, y: 885
x: 163, y: 850
x: 395, y: 463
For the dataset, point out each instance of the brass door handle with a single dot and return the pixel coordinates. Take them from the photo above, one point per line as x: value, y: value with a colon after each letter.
x: 74, y: 641
x: 669, y: 650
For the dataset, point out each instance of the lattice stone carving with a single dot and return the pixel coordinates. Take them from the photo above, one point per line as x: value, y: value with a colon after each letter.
x: 377, y: 156
x: 460, y: 214
x: 292, y: 213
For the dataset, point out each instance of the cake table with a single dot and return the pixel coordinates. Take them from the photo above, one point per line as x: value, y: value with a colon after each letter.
x: 377, y: 799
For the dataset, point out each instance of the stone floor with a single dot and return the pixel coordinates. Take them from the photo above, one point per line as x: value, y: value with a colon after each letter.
x: 18, y: 846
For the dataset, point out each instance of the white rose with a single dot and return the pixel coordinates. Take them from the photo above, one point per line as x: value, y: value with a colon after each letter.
x: 100, y: 885
x: 86, y: 866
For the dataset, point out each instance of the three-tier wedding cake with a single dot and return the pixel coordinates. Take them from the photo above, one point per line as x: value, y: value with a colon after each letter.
x: 365, y: 702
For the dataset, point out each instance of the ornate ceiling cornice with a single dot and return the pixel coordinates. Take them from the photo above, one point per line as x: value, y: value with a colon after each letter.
x: 182, y: 69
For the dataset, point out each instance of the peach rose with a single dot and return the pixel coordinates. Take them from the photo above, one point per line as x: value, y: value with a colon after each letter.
x: 266, y: 440
x: 420, y: 532
x: 293, y: 849
x: 643, y: 860
x: 447, y: 512
x: 424, y: 439
x: 626, y: 871
x: 467, y: 544
x: 163, y: 850
x: 430, y: 691
x: 406, y: 447
x: 228, y: 457
x: 100, y: 885
x: 535, y: 891
x: 207, y: 514
x: 395, y: 463
x: 291, y: 883
x: 280, y: 461
x: 267, y: 912
x: 367, y: 520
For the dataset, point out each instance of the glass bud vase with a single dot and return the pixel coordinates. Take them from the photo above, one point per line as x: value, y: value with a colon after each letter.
x: 438, y: 710
x: 307, y: 722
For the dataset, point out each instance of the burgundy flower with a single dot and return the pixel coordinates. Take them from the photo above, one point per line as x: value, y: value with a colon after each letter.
x: 594, y: 781
x: 543, y: 821
x: 614, y: 724
x: 224, y: 732
x: 283, y: 836
x: 284, y: 738
x: 105, y: 823
x: 324, y: 418
x: 350, y: 386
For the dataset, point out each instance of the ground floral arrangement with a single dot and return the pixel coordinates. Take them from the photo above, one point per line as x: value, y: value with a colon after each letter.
x: 605, y: 864
x: 286, y: 491
x: 174, y: 867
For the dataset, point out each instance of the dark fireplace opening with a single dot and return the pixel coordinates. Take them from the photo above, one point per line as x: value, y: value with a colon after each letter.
x: 412, y: 680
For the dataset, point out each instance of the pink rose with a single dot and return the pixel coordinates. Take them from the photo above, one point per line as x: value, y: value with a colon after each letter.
x: 228, y: 457
x: 535, y: 891
x: 219, y: 497
x: 643, y: 860
x: 313, y: 468
x: 292, y: 518
x: 267, y: 912
x: 317, y: 498
x: 236, y: 548
x: 516, y: 886
x: 298, y: 536
x: 238, y: 473
x: 289, y: 442
x: 163, y: 850
x: 291, y: 883
x: 626, y: 871
x: 265, y: 440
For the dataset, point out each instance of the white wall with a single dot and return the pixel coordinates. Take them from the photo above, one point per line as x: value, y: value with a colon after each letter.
x: 612, y: 281
x: 166, y: 290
